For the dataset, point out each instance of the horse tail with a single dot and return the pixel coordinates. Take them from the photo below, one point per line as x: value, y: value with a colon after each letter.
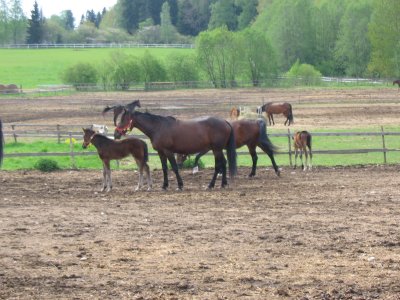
x: 231, y: 153
x: 1, y: 143
x: 146, y: 151
x: 263, y: 138
x: 309, y: 143
x: 290, y: 115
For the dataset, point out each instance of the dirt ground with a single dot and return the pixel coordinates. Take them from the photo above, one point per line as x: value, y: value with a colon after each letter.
x: 329, y: 233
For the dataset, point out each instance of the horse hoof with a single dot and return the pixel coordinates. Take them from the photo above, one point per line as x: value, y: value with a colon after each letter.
x: 278, y: 173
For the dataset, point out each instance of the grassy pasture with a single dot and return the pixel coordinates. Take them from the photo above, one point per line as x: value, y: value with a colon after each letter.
x: 319, y: 143
x: 33, y: 67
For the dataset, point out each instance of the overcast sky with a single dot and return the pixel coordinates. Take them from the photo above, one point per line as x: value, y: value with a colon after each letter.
x: 78, y: 7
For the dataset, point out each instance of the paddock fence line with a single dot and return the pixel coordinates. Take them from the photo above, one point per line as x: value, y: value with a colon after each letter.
x: 94, y: 45
x: 69, y: 134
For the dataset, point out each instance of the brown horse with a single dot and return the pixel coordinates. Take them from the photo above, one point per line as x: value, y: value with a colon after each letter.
x: 1, y: 143
x: 169, y: 135
x: 397, y: 82
x: 9, y: 89
x: 277, y: 108
x: 251, y: 133
x: 302, y: 141
x: 118, y: 109
x: 235, y: 113
x: 109, y: 149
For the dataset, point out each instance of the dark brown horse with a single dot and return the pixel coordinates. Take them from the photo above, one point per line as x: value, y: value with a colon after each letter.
x: 118, y: 109
x: 251, y: 133
x: 277, y: 108
x: 397, y: 82
x: 1, y: 143
x: 302, y: 141
x: 169, y: 135
x: 109, y: 149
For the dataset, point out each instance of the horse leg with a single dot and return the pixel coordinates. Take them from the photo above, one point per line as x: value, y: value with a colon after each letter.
x: 306, y: 155
x: 163, y: 159
x: 270, y: 154
x: 196, y: 162
x: 108, y: 175
x: 217, y: 168
x: 104, y: 177
x: 296, y: 153
x: 310, y: 165
x: 148, y: 175
x: 301, y: 158
x: 272, y: 117
x: 254, y: 158
x: 171, y: 158
x: 140, y: 167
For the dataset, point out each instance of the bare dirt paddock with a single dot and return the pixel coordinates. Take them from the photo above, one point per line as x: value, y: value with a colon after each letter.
x: 326, y: 234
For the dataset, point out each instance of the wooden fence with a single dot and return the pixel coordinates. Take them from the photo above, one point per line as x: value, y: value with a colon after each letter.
x: 70, y: 132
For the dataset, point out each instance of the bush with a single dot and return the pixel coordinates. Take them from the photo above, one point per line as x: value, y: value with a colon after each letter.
x: 81, y: 76
x: 304, y: 74
x: 189, y: 163
x: 46, y: 165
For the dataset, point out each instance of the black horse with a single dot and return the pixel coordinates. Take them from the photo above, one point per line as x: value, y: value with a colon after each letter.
x: 169, y: 135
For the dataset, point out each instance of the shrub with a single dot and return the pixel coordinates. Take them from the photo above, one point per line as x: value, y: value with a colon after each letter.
x: 189, y: 163
x: 80, y: 75
x: 305, y: 74
x: 46, y: 165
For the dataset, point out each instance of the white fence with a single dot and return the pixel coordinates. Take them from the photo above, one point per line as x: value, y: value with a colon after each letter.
x: 97, y: 45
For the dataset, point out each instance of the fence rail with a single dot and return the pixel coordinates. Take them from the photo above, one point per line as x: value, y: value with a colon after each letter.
x: 94, y: 45
x: 68, y: 132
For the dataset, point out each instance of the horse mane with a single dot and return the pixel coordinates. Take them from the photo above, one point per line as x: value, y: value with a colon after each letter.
x: 158, y: 117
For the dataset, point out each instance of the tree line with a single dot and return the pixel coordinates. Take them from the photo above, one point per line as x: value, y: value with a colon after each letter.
x: 339, y: 38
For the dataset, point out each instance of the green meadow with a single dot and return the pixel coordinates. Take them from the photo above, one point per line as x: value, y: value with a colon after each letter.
x: 319, y: 143
x: 33, y: 67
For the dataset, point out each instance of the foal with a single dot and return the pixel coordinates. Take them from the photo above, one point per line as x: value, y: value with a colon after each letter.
x: 302, y: 140
x: 109, y: 149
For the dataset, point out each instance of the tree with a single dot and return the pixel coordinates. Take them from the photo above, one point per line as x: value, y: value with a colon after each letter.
x: 167, y: 30
x: 353, y: 47
x: 182, y: 67
x: 248, y: 12
x: 68, y: 19
x: 259, y: 61
x: 218, y: 53
x: 385, y: 38
x: 223, y: 12
x: 35, y: 27
x: 193, y: 16
x: 128, y: 15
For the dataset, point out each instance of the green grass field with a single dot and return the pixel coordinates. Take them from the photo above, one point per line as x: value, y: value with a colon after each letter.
x: 33, y: 67
x: 319, y: 143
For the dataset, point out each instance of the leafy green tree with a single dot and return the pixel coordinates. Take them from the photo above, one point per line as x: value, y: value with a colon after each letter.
x: 385, y: 38
x: 130, y: 14
x: 182, y: 67
x: 248, y: 12
x: 167, y: 29
x: 353, y: 47
x: 80, y: 75
x: 326, y: 19
x: 68, y: 19
x: 218, y: 52
x: 18, y: 22
x: 259, y: 61
x: 152, y: 68
x: 35, y: 28
x: 193, y: 16
x: 288, y: 25
x: 153, y: 8
x: 124, y: 70
x: 223, y: 12
x: 4, y: 22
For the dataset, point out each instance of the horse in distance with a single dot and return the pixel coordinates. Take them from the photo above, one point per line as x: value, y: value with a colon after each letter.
x: 272, y: 109
x: 397, y: 82
x: 253, y: 134
x: 109, y: 149
x: 302, y: 143
x: 169, y: 136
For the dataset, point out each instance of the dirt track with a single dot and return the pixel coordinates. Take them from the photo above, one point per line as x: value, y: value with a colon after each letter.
x: 325, y: 234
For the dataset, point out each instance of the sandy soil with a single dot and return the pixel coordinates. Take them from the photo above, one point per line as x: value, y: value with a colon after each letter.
x: 331, y: 233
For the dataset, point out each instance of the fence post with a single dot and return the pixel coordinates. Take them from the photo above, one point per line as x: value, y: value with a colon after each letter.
x: 383, y: 145
x: 71, y: 149
x: 58, y: 134
x: 290, y: 148
x: 14, y: 134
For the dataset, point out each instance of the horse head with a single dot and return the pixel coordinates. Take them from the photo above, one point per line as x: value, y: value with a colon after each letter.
x: 88, y: 135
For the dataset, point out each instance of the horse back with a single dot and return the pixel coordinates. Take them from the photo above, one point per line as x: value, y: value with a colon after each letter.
x: 246, y: 132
